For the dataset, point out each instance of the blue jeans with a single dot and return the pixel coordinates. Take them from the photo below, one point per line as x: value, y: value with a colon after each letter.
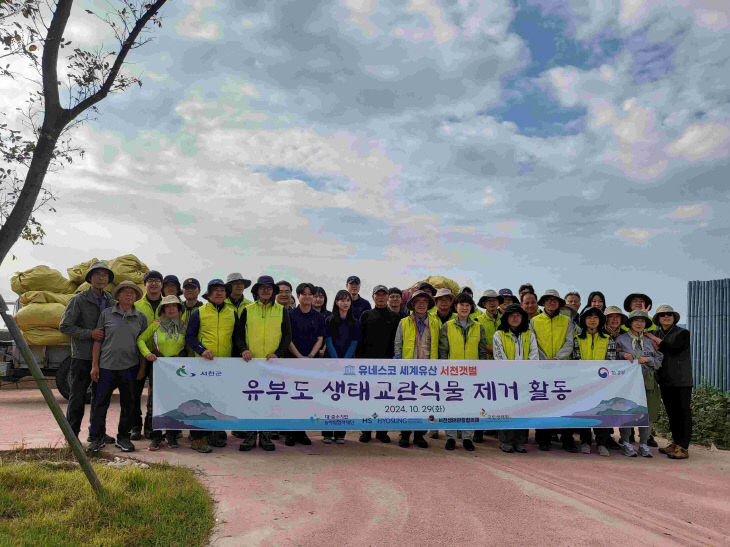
x: 109, y: 380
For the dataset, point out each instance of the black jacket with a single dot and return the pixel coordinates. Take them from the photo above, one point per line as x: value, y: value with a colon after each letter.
x: 676, y: 368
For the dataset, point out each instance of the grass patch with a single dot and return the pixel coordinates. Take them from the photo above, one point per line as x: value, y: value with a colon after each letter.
x: 46, y: 500
x: 710, y: 416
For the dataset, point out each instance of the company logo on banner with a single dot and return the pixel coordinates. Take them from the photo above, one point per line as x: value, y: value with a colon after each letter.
x: 359, y: 394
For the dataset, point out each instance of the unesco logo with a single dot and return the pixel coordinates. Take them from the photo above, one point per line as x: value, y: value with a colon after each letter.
x: 603, y: 372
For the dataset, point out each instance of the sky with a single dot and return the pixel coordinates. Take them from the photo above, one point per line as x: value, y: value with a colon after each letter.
x: 577, y: 145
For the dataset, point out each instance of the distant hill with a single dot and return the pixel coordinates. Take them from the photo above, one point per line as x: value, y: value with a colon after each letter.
x: 617, y: 405
x: 196, y: 409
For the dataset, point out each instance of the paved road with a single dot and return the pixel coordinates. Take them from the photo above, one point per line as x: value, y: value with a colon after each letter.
x: 379, y: 494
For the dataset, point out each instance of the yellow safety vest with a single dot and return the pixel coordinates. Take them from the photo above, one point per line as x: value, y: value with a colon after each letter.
x: 433, y: 312
x: 550, y: 332
x: 593, y: 347
x: 263, y: 328
x: 408, y: 328
x: 508, y: 344
x: 490, y: 325
x: 145, y: 307
x: 216, y: 329
x: 244, y: 304
x: 165, y: 344
x: 460, y: 348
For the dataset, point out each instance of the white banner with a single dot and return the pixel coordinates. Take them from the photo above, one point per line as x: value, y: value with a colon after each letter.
x: 365, y: 394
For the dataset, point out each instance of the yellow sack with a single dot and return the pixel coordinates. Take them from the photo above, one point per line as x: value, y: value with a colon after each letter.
x: 45, y: 297
x: 441, y: 282
x: 85, y: 287
x: 77, y: 273
x: 39, y: 315
x: 45, y: 336
x: 128, y: 268
x: 41, y: 278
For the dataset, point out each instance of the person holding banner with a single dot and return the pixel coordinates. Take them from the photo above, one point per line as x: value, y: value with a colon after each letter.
x: 263, y: 331
x: 417, y: 337
x: 210, y: 334
x: 593, y: 344
x: 462, y: 338
x: 166, y: 338
x: 635, y: 346
x: 514, y: 341
x: 554, y: 334
x: 343, y: 335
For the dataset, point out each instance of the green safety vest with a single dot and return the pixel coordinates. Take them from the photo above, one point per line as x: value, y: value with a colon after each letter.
x: 244, y: 303
x: 263, y: 328
x: 490, y: 325
x: 408, y: 328
x: 508, y: 343
x: 593, y: 347
x: 216, y: 329
x: 460, y: 348
x: 145, y: 307
x: 550, y: 332
x: 166, y: 345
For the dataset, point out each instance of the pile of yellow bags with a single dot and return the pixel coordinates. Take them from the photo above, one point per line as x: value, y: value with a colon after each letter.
x: 45, y: 293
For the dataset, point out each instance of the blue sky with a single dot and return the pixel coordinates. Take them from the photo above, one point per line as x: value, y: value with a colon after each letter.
x: 572, y: 144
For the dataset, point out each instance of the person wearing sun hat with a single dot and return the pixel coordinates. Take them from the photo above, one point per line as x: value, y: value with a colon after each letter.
x: 235, y: 285
x: 638, y: 301
x: 634, y: 345
x: 171, y: 285
x: 674, y: 379
x: 115, y: 364
x: 443, y: 310
x: 165, y: 337
x: 514, y: 341
x: 489, y: 302
x: 79, y: 322
x: 592, y: 343
x: 615, y: 319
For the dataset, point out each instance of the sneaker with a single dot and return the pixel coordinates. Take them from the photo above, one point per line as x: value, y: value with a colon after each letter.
x: 434, y: 434
x: 603, y: 451
x: 96, y: 445
x: 419, y: 441
x: 249, y: 442
x: 340, y: 440
x: 107, y: 439
x: 611, y: 444
x: 545, y: 447
x: 478, y: 436
x: 629, y: 450
x: 671, y: 447
x: 171, y: 439
x: 585, y: 448
x: 136, y: 434
x: 201, y: 445
x: 519, y: 447
x: 301, y: 438
x: 508, y: 448
x: 652, y: 442
x: 365, y: 436
x: 383, y: 437
x: 644, y: 451
x: 571, y: 447
x: 125, y: 445
x: 155, y: 445
x: 468, y: 445
x: 265, y: 441
x: 327, y: 440
x: 218, y: 439
x: 289, y: 440
x: 404, y: 442
x: 679, y: 454
x: 450, y: 444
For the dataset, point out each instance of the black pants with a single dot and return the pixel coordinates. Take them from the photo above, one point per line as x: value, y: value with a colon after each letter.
x: 138, y: 389
x: 677, y: 403
x: 159, y: 433
x: 602, y: 434
x: 407, y: 434
x: 79, y: 379
x: 543, y: 436
x: 109, y: 380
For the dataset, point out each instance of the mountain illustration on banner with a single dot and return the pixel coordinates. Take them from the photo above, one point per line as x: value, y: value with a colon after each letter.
x: 193, y: 409
x: 616, y: 412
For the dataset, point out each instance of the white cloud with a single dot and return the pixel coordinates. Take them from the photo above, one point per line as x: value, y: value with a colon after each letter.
x: 690, y: 212
x: 441, y: 30
x: 636, y: 235
x: 488, y: 198
x: 701, y: 141
x: 193, y: 24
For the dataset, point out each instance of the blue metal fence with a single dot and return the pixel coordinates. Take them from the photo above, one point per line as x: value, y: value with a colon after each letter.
x: 708, y: 321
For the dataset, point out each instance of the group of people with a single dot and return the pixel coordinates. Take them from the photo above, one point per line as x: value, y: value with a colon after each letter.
x: 117, y: 338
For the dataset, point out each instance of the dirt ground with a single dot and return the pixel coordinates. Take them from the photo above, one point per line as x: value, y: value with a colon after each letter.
x: 377, y: 494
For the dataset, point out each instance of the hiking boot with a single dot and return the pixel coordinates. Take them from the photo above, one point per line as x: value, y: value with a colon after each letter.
x: 327, y: 440
x: 404, y: 441
x: 652, y: 442
x: 125, y: 445
x: 96, y: 445
x: 450, y: 444
x: 629, y: 450
x: 301, y: 438
x: 218, y: 439
x: 155, y: 445
x: 289, y: 439
x: 571, y: 447
x: 265, y: 441
x: 644, y: 451
x: 468, y: 445
x: 585, y: 448
x: 383, y: 437
x: 340, y: 440
x: 508, y: 448
x: 611, y: 444
x: 107, y: 439
x: 136, y: 434
x: 519, y: 447
x: 478, y: 437
x: 434, y: 435
x: 545, y: 447
x: 419, y: 441
x: 603, y: 451
x: 201, y: 445
x: 365, y: 437
x: 249, y: 442
x: 679, y: 454
x: 171, y: 439
x: 671, y: 447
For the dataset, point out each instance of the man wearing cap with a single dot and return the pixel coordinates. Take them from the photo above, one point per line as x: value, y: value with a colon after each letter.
x: 443, y: 310
x: 191, y: 290
x: 210, y: 334
x: 148, y: 304
x: 114, y: 365
x: 359, y: 304
x: 507, y: 298
x: 235, y: 285
x: 377, y: 335
x: 395, y: 301
x: 262, y: 331
x: 171, y: 286
x: 554, y: 335
x: 79, y: 322
x: 417, y: 337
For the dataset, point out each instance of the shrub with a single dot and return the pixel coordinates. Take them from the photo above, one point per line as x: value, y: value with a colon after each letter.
x: 710, y: 416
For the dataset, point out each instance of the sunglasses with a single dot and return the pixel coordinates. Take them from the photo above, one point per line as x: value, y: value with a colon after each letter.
x: 665, y: 314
